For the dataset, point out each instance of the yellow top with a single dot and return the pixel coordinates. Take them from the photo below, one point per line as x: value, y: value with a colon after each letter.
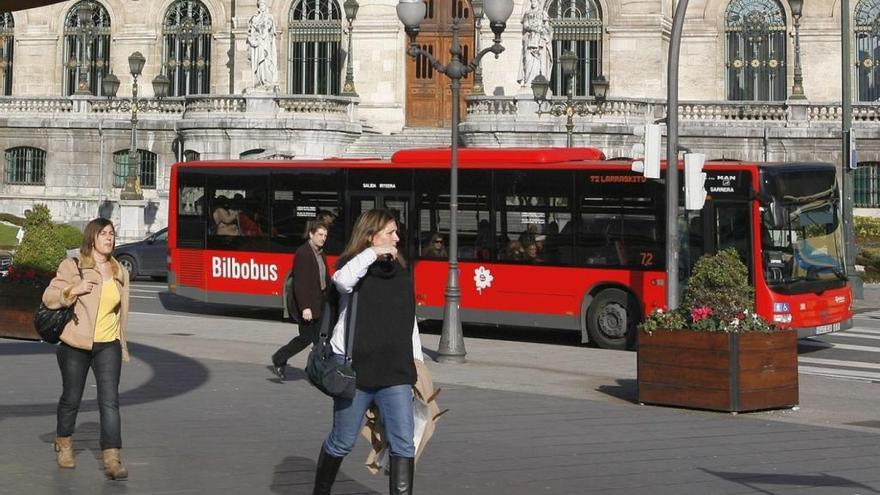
x: 107, y: 323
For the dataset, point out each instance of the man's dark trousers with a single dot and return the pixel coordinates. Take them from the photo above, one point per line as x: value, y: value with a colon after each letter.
x: 308, y: 334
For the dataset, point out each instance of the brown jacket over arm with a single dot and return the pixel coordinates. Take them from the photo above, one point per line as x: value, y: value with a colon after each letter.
x: 80, y: 331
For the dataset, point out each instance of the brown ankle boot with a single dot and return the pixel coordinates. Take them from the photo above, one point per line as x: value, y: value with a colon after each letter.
x: 113, y: 467
x: 64, y: 452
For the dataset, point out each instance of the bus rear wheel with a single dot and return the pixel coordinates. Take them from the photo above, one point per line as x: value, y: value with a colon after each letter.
x: 612, y: 319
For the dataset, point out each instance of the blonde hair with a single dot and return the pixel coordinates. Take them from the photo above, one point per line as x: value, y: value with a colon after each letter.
x: 368, y: 224
x: 90, y: 232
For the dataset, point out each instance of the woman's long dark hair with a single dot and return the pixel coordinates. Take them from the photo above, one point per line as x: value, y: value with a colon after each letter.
x: 365, y: 227
x: 91, y: 231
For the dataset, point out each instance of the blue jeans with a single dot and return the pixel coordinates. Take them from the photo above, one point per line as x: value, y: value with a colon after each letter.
x: 105, y: 359
x: 395, y: 414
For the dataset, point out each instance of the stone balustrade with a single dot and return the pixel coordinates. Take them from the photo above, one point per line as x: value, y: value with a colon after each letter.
x: 632, y: 110
x: 215, y: 104
x: 189, y: 107
x: 11, y: 105
x: 315, y: 104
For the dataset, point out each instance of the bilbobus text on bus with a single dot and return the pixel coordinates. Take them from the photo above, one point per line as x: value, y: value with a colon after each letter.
x: 548, y: 237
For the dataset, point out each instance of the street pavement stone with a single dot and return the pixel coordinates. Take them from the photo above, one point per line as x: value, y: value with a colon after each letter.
x: 222, y: 425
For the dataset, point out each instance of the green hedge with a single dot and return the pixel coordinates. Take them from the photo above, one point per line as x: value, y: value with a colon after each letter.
x: 41, y: 248
x: 70, y: 236
x: 10, y: 218
x: 7, y: 236
x: 867, y: 229
x: 870, y: 259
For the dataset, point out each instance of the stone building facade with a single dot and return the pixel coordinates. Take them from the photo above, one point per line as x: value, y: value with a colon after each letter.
x: 66, y: 143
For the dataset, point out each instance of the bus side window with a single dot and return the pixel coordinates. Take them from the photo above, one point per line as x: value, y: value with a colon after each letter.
x: 299, y: 196
x: 191, y: 210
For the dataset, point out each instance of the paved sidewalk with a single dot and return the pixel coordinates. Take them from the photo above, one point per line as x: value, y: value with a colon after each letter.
x: 202, y: 415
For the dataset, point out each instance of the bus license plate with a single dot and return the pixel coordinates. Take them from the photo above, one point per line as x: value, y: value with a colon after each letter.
x: 827, y: 328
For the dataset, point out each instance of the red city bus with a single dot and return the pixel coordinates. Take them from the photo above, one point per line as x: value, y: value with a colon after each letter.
x: 548, y: 238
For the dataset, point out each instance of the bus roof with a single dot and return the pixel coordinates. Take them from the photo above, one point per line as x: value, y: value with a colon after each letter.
x: 491, y: 156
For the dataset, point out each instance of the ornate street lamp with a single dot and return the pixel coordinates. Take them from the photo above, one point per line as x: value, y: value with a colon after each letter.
x: 351, y: 10
x: 477, y: 8
x: 797, y: 89
x: 131, y: 190
x: 86, y: 24
x: 540, y: 85
x: 411, y: 13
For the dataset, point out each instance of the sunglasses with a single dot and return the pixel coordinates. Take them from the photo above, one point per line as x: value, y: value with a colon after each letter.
x: 438, y: 241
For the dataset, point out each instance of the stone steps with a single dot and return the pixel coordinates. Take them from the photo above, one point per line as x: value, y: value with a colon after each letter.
x: 384, y: 145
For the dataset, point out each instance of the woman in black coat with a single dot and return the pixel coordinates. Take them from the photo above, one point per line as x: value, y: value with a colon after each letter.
x: 386, y: 341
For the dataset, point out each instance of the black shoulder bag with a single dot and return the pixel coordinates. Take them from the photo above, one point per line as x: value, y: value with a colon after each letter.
x: 329, y: 375
x: 49, y: 323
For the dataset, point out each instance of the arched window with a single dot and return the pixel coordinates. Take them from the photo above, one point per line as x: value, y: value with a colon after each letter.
x: 147, y: 169
x: 756, y: 50
x: 25, y: 165
x: 187, y: 47
x: 86, y: 49
x: 314, y: 54
x: 7, y: 42
x: 577, y: 27
x: 191, y: 156
x: 867, y: 32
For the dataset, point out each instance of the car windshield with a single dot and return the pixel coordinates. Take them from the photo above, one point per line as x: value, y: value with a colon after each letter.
x: 806, y: 247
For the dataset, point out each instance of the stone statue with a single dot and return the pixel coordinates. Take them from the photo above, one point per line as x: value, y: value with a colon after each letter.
x: 537, y: 47
x: 263, y: 54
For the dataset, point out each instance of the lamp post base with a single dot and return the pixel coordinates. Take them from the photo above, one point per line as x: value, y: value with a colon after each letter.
x: 131, y: 221
x: 451, y: 347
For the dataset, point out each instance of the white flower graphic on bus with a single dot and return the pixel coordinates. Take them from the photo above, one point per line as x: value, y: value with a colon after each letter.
x: 482, y: 278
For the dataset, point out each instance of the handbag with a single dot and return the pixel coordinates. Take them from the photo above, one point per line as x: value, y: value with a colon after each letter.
x: 49, y: 323
x: 327, y: 373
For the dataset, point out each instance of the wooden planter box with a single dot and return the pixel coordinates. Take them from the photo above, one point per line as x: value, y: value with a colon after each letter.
x: 18, y: 302
x: 719, y: 371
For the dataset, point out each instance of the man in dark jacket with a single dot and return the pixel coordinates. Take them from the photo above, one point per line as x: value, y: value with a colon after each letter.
x: 310, y: 278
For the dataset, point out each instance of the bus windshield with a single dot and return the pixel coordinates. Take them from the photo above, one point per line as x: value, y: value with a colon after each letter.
x: 805, y: 251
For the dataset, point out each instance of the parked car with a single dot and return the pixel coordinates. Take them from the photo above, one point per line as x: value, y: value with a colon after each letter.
x: 148, y: 257
x: 5, y: 262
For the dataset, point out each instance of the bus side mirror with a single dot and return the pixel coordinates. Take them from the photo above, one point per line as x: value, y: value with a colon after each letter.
x: 777, y: 214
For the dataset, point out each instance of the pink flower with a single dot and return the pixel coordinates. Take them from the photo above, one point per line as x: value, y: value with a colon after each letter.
x: 702, y: 313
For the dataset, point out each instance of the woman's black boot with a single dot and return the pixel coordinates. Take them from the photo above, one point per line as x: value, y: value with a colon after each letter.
x: 325, y: 473
x: 401, y: 479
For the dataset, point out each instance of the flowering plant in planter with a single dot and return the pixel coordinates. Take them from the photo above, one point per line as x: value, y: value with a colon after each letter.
x: 27, y: 276
x: 717, y: 298
x: 39, y: 254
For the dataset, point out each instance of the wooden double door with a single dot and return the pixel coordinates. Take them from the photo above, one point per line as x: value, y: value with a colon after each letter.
x: 428, y: 92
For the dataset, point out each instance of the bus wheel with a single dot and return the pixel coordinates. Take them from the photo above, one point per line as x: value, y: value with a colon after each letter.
x: 611, y: 319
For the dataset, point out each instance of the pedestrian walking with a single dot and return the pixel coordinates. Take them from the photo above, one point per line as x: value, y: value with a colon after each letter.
x: 386, y: 342
x: 310, y: 277
x: 96, y: 286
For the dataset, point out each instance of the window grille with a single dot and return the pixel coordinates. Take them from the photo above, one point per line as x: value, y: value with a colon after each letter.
x: 91, y: 58
x: 867, y: 185
x: 314, y: 58
x: 25, y: 165
x: 186, y: 47
x: 191, y: 156
x: 867, y: 43
x: 147, y: 169
x: 577, y: 27
x: 756, y: 50
x: 7, y: 43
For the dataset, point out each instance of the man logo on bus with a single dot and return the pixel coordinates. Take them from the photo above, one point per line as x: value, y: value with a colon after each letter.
x: 483, y: 278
